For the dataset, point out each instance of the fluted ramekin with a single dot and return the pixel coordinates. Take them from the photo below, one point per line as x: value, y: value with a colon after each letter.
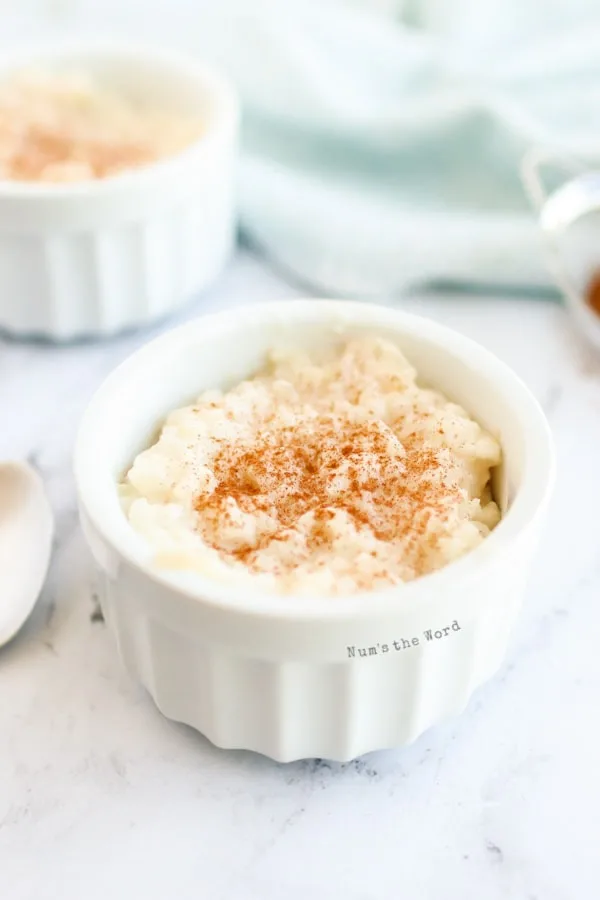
x: 93, y: 258
x: 295, y: 677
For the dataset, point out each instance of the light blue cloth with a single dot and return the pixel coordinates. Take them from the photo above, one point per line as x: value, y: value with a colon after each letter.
x: 382, y: 139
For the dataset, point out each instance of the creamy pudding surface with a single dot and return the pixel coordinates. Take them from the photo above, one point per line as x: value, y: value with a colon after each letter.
x: 316, y: 477
x: 68, y: 126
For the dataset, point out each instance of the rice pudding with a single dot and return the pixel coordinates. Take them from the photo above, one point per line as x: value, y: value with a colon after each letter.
x: 326, y: 476
x: 68, y: 126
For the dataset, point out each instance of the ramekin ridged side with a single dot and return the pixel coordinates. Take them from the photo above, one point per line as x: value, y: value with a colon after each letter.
x: 90, y: 259
x: 293, y: 700
x: 97, y: 282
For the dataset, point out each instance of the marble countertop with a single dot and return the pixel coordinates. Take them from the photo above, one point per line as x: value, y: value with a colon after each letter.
x: 101, y: 797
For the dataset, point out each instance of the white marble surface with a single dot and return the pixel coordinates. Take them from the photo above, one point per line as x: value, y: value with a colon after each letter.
x: 101, y: 797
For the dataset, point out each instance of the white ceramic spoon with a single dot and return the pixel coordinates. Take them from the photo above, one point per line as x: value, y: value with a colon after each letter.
x: 26, y: 527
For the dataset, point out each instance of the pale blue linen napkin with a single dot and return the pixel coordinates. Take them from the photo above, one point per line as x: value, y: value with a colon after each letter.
x: 382, y: 141
x: 382, y: 138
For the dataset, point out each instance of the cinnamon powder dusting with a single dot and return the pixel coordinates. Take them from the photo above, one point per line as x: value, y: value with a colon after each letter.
x: 592, y: 295
x: 66, y: 127
x: 328, y: 478
x: 323, y: 467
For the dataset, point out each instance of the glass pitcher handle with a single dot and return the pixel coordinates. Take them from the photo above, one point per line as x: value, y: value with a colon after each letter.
x: 577, y: 194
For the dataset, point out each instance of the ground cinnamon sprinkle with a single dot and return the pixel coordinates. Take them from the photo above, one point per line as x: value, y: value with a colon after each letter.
x: 66, y: 127
x: 592, y: 293
x: 328, y: 477
x: 324, y: 465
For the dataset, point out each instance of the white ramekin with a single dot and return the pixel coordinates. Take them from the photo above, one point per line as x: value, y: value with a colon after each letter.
x: 97, y: 257
x: 285, y: 676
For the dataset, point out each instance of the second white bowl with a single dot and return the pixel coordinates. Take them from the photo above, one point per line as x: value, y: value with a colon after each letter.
x: 92, y: 258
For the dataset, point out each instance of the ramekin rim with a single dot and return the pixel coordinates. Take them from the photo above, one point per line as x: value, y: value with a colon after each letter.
x: 528, y: 505
x: 211, y: 77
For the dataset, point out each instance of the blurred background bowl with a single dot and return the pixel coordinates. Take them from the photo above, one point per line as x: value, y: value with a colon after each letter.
x: 92, y: 258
